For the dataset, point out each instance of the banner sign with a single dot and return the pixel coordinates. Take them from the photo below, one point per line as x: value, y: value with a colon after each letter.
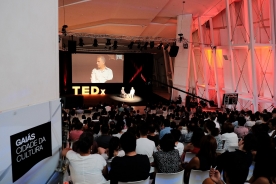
x: 30, y: 147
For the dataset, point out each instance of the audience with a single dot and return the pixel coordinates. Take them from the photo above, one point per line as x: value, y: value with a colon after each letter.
x: 126, y: 139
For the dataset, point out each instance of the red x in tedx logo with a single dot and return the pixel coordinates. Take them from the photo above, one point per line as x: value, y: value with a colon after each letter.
x: 138, y: 71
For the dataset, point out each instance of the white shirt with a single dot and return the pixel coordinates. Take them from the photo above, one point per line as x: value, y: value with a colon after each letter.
x: 180, y: 148
x: 231, y: 139
x: 86, y: 169
x: 249, y: 123
x: 117, y: 135
x: 101, y: 76
x: 144, y: 146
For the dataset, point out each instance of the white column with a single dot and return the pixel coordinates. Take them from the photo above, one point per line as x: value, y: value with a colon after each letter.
x: 203, y: 60
x: 252, y: 55
x: 272, y: 38
x: 215, y: 63
x: 182, y: 60
x: 229, y: 33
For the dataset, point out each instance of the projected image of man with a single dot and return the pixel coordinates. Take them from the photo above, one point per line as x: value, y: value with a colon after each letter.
x: 102, y: 73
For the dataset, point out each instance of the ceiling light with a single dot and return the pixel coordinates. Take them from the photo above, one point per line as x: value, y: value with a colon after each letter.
x: 108, y: 42
x: 159, y: 46
x: 81, y: 42
x: 151, y: 44
x: 130, y: 45
x: 115, y: 46
x: 95, y: 44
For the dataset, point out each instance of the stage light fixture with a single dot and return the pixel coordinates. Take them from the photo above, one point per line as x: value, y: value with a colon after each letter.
x: 81, y: 44
x: 139, y: 45
x: 130, y: 45
x: 108, y: 42
x: 145, y: 45
x: 151, y: 44
x: 63, y: 30
x: 185, y: 45
x: 159, y: 46
x: 166, y: 46
x: 95, y: 44
x: 115, y: 45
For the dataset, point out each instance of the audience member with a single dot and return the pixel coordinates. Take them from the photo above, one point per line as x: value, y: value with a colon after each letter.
x: 144, y: 146
x: 205, y: 158
x: 167, y: 160
x: 132, y: 166
x: 94, y: 167
x: 241, y: 130
x: 104, y: 139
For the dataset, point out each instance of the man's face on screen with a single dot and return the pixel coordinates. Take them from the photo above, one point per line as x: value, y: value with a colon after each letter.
x: 100, y: 63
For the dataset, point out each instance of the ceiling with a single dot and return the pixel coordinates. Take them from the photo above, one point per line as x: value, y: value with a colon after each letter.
x: 129, y: 18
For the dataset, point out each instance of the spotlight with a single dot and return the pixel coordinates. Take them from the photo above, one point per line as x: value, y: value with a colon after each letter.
x: 180, y: 37
x: 159, y: 46
x: 139, y: 45
x: 151, y: 44
x: 130, y: 45
x: 115, y: 46
x: 108, y: 42
x: 95, y: 44
x: 185, y: 45
x: 166, y: 46
x: 63, y: 30
x: 81, y: 42
x: 145, y: 45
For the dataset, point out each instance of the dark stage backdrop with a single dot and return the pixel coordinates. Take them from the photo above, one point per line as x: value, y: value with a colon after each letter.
x: 137, y: 71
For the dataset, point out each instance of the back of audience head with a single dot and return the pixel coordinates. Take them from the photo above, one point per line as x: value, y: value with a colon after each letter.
x: 208, y: 147
x: 176, y: 134
x: 235, y: 170
x: 227, y: 128
x: 197, y: 136
x: 128, y: 142
x: 104, y: 129
x: 85, y: 142
x: 173, y: 125
x: 166, y: 123
x: 241, y: 121
x: 211, y: 127
x: 167, y: 143
x: 114, y: 144
x: 78, y: 126
x: 143, y: 129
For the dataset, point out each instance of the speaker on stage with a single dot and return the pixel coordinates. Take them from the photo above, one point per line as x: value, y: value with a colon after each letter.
x: 72, y: 46
x: 174, y: 50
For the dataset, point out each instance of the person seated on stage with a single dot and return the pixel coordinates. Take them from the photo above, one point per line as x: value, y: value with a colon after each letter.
x: 132, y: 91
x: 123, y: 93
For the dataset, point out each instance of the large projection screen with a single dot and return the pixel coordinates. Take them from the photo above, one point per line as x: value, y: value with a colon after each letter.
x: 97, y: 68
